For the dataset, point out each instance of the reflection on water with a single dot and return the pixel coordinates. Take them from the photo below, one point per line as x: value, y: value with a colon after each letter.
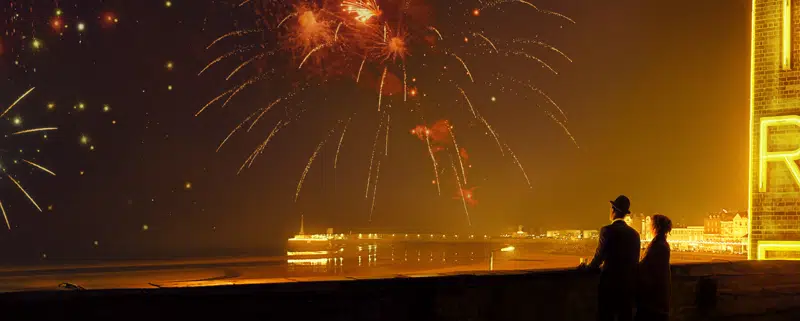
x: 393, y: 258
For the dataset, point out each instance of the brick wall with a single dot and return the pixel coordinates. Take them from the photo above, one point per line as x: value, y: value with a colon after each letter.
x: 776, y: 92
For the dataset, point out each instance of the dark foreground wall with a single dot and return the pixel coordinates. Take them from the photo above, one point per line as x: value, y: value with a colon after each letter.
x: 721, y: 291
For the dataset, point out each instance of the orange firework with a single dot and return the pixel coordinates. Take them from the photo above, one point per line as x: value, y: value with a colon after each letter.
x: 390, y: 48
x: 363, y: 10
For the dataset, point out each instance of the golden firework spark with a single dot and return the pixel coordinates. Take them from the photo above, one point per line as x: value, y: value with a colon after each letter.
x: 458, y: 152
x: 479, y: 34
x: 5, y: 216
x: 435, y: 165
x: 33, y: 130
x: 465, y: 67
x: 364, y: 10
x: 380, y: 90
x: 305, y: 171
x: 358, y: 77
x: 309, y: 55
x: 469, y: 103
x: 372, y: 159
x: 39, y: 167
x: 516, y: 161
x: 233, y: 33
x: 461, y: 190
x: 341, y: 139
x: 374, y: 190
x: 24, y: 192
x: 17, y: 101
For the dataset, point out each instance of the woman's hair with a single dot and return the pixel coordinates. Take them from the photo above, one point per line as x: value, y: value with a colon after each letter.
x: 662, y: 224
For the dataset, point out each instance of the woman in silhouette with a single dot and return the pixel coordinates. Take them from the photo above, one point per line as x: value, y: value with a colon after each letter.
x: 654, y: 274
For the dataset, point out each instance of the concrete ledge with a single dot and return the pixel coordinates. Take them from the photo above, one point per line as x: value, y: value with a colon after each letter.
x: 764, y: 290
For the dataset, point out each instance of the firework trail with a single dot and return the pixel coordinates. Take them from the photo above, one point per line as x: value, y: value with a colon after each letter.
x: 566, y: 130
x: 264, y: 111
x: 33, y: 130
x: 516, y: 161
x: 542, y: 93
x: 17, y: 101
x: 341, y: 139
x: 469, y: 103
x: 235, y: 129
x: 494, y: 134
x: 532, y: 57
x: 437, y: 32
x: 286, y: 18
x: 460, y: 161
x: 374, y: 190
x: 245, y: 63
x: 465, y: 67
x: 358, y: 77
x: 233, y: 33
x: 212, y: 101
x: 490, y: 42
x: 24, y: 192
x: 5, y: 216
x: 336, y: 33
x: 380, y: 91
x: 252, y: 158
x: 405, y: 84
x: 386, y: 144
x: 39, y: 167
x: 305, y: 171
x: 496, y: 3
x: 435, y: 166
x: 309, y: 55
x: 372, y: 159
x: 461, y: 190
x: 543, y: 44
x: 227, y: 55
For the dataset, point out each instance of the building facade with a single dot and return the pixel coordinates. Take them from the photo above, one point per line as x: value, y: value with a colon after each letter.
x: 774, y: 205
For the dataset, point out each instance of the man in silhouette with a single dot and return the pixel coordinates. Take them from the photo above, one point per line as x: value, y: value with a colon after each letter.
x: 618, y: 253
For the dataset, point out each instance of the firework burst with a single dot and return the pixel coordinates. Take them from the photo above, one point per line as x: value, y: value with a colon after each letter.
x: 7, y: 155
x: 392, y: 49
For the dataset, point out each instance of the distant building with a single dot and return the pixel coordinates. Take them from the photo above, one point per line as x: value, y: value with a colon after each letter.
x: 564, y: 234
x: 590, y: 234
x: 688, y: 238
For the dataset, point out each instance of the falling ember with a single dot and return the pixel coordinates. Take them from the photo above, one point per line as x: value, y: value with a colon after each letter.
x: 461, y: 190
x: 380, y: 91
x: 465, y: 67
x: 24, y: 192
x: 543, y: 44
x: 305, y: 171
x: 245, y: 63
x: 405, y: 84
x: 516, y: 161
x: 476, y: 12
x: 341, y: 139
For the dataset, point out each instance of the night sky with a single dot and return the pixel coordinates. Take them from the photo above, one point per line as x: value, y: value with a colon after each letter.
x: 656, y: 97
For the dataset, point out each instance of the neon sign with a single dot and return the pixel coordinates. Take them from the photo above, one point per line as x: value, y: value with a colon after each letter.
x: 766, y: 156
